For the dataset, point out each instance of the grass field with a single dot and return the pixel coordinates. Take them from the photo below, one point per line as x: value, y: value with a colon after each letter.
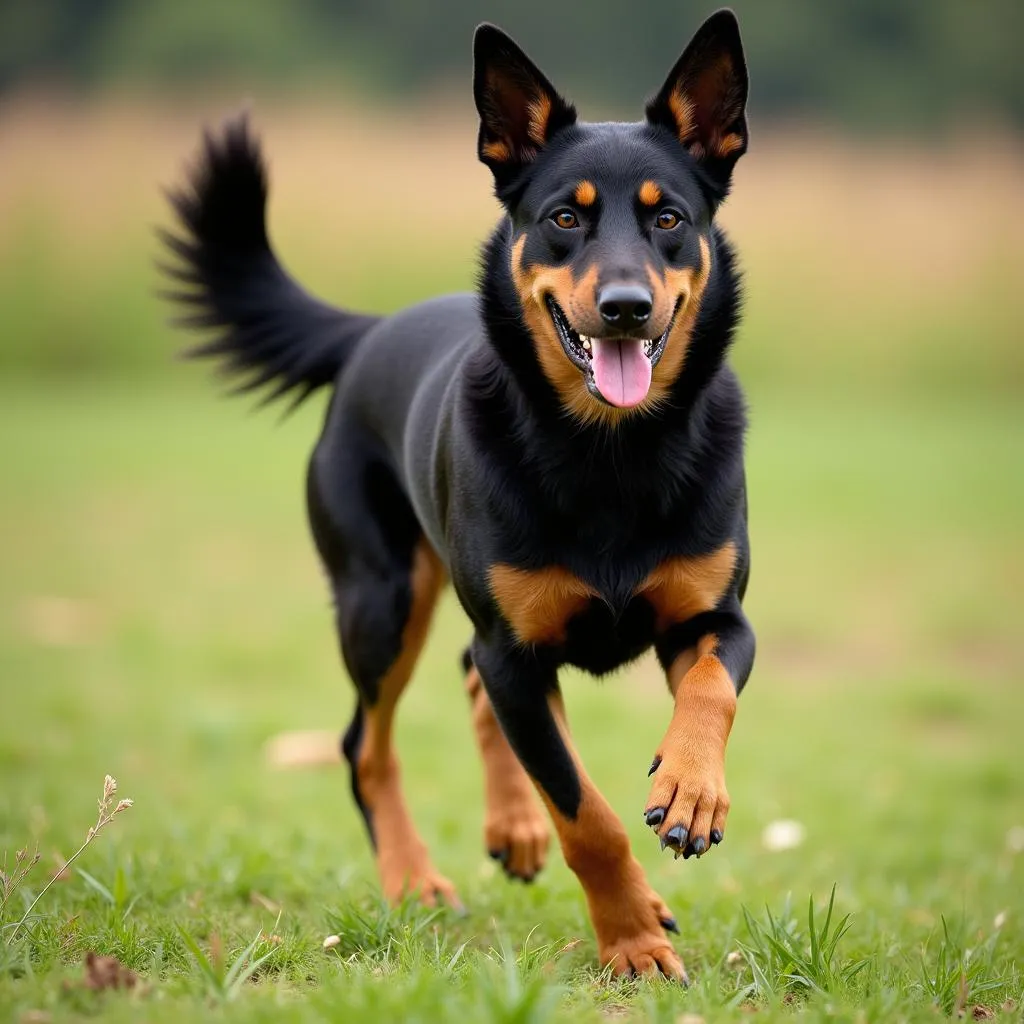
x: 162, y: 616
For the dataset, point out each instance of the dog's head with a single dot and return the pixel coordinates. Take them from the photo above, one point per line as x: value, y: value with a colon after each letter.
x: 611, y: 242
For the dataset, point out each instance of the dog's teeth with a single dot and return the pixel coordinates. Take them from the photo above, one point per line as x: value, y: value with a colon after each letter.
x: 586, y: 343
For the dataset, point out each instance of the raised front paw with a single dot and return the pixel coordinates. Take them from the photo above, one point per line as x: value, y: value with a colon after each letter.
x: 688, y: 802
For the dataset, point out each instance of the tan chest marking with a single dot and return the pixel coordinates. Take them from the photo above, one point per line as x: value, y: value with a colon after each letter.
x: 538, y: 603
x: 681, y: 588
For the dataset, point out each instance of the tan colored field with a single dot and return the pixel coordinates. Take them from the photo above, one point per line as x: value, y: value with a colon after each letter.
x: 881, y: 261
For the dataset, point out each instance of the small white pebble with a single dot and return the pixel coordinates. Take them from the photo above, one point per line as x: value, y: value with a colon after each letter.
x: 690, y: 1018
x: 783, y: 835
x: 1000, y: 920
x: 735, y: 958
x: 331, y: 941
x: 1015, y: 839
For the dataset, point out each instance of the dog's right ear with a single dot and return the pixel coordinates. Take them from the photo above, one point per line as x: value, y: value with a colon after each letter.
x: 703, y: 101
x: 519, y: 108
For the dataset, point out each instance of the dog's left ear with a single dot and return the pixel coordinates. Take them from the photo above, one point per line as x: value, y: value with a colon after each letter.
x: 519, y: 108
x: 703, y: 101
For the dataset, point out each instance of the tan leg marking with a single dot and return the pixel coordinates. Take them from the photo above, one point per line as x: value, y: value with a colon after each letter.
x: 626, y: 912
x: 402, y: 858
x: 515, y: 826
x: 689, y: 783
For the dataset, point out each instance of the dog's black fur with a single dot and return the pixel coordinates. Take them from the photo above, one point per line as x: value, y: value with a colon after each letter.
x: 446, y: 426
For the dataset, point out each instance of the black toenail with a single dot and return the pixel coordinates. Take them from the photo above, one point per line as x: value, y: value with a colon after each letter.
x: 716, y: 837
x: 654, y: 766
x: 699, y: 846
x: 655, y: 817
x: 685, y: 980
x: 670, y: 924
x: 676, y: 836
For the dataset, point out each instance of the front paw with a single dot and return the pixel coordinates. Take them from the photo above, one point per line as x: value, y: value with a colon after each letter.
x: 688, y: 803
x: 630, y: 920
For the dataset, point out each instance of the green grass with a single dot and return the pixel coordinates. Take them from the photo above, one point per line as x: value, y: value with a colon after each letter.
x: 162, y: 615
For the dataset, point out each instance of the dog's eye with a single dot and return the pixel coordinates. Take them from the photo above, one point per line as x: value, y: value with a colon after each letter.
x: 668, y: 219
x: 565, y: 219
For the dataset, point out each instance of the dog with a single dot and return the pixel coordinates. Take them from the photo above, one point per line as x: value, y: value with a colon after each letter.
x: 564, y: 446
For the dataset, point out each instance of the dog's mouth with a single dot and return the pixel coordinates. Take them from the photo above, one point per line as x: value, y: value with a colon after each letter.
x: 618, y: 370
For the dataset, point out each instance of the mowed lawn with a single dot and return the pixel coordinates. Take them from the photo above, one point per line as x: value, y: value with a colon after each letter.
x: 162, y: 614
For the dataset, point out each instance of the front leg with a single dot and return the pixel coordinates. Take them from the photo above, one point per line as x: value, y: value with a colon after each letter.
x: 628, y: 916
x: 707, y: 662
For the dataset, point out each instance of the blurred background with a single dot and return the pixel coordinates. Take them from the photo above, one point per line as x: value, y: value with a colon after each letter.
x: 161, y: 610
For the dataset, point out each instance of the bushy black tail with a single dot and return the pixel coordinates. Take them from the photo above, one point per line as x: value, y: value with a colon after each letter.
x: 270, y: 332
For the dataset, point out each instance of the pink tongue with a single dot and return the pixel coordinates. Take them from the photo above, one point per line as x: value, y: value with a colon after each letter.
x: 622, y: 372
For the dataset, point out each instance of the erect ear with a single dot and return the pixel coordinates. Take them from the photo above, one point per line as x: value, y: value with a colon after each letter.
x: 519, y: 108
x: 704, y: 98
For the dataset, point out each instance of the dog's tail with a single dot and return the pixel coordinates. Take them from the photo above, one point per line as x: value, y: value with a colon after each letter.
x: 270, y: 333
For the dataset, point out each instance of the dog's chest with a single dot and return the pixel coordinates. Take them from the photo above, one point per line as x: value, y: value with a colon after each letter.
x: 555, y: 607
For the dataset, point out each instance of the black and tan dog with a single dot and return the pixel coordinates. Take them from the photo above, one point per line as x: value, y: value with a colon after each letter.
x: 566, y: 447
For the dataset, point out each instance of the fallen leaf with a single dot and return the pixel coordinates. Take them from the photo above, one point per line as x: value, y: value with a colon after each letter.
x: 265, y: 902
x: 303, y: 749
x: 60, y: 621
x: 103, y: 972
x: 1015, y: 839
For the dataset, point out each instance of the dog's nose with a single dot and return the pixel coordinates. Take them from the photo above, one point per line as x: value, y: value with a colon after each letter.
x: 624, y: 306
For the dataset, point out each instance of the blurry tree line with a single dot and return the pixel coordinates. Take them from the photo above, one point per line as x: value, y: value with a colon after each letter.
x: 903, y: 65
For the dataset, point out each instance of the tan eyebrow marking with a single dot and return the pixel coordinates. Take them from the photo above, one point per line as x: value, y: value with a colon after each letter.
x: 586, y: 193
x: 650, y: 194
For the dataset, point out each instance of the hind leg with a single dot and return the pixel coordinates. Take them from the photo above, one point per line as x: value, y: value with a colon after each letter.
x: 516, y: 829
x: 386, y: 580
